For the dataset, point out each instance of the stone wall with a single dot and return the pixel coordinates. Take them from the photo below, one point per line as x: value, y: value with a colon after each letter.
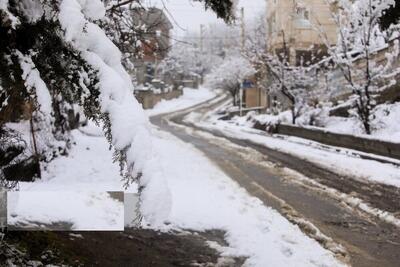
x: 367, y: 145
x: 149, y: 99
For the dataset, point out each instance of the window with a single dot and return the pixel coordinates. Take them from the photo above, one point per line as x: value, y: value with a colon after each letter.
x: 303, y: 13
x: 274, y: 22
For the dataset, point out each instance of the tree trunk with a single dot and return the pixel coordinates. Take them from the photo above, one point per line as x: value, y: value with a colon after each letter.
x: 294, y: 117
x: 363, y: 108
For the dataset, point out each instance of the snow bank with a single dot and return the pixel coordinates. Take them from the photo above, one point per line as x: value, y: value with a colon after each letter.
x: 252, y: 118
x: 385, y: 122
x: 129, y: 124
x: 345, y: 164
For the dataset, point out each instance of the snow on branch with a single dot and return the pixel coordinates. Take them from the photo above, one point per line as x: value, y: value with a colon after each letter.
x: 35, y: 84
x: 128, y: 125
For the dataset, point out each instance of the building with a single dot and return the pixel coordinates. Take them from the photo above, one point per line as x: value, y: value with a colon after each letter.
x: 154, y: 28
x: 155, y: 42
x: 300, y: 30
x: 293, y: 25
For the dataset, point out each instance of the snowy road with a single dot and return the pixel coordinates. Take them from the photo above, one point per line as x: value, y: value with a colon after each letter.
x: 367, y: 241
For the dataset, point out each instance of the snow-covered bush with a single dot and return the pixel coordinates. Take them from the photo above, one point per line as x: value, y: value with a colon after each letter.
x: 264, y: 122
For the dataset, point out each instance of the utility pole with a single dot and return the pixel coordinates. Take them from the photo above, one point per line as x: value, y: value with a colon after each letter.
x: 242, y: 28
x: 241, y: 100
x: 242, y: 50
x: 267, y: 29
x: 201, y: 37
x: 211, y: 40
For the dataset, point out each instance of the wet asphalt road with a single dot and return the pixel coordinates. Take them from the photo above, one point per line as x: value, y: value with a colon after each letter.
x: 366, y: 241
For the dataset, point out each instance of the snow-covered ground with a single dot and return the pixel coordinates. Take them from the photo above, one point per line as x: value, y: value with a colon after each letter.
x: 203, y: 198
x: 343, y: 162
x: 73, y: 189
x: 189, y: 98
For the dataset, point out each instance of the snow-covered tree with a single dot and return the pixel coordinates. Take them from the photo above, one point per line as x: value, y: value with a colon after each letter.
x: 185, y: 60
x: 55, y: 54
x: 230, y: 75
x: 277, y: 73
x: 360, y: 39
x: 293, y: 81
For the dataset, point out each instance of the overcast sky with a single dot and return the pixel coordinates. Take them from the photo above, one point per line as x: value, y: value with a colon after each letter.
x: 188, y: 15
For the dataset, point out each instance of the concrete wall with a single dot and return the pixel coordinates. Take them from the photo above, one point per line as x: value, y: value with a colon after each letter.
x: 148, y: 99
x: 382, y: 148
